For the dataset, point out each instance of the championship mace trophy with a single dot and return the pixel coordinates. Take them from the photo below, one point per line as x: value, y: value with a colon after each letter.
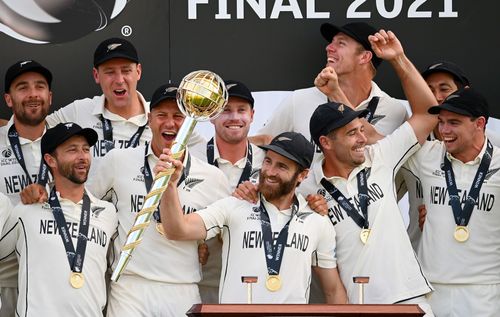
x: 201, y: 96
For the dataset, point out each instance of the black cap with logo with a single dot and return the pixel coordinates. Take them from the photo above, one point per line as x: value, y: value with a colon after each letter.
x: 115, y: 48
x: 447, y: 67
x: 238, y: 89
x: 330, y: 116
x: 293, y: 146
x: 63, y: 131
x: 465, y: 101
x: 25, y: 66
x: 164, y: 92
x: 359, y: 31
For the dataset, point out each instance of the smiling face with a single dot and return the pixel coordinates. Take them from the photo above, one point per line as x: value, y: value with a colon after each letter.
x: 460, y: 133
x: 118, y: 79
x: 347, y: 144
x: 30, y: 98
x: 344, y: 54
x: 71, y: 160
x: 233, y: 124
x: 279, y: 176
x: 165, y: 120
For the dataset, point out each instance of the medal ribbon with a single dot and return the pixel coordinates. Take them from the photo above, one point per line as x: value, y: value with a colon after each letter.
x: 274, y: 252
x: 43, y: 170
x: 372, y: 106
x: 148, y: 178
x: 361, y: 221
x: 107, y: 131
x: 247, y: 170
x: 75, y: 259
x: 462, y: 216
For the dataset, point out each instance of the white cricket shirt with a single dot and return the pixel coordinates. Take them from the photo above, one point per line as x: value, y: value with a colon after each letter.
x: 476, y: 261
x: 310, y: 236
x: 387, y: 258
x: 44, y: 270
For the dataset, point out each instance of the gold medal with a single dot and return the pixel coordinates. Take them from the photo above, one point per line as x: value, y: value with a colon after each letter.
x: 461, y: 233
x: 364, y: 234
x: 76, y: 280
x: 159, y: 228
x: 273, y: 283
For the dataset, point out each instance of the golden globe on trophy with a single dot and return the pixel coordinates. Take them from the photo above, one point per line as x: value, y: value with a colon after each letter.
x: 201, y: 96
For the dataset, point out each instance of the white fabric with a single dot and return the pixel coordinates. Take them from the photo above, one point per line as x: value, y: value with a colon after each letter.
x: 407, y: 182
x: 310, y: 236
x: 134, y: 296
x: 452, y: 300
x: 13, y: 181
x: 44, y: 271
x: 387, y: 258
x: 476, y: 261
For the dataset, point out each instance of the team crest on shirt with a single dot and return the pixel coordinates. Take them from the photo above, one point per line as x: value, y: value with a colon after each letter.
x: 96, y: 211
x: 190, y: 183
x: 301, y: 216
x: 491, y: 173
x: 97, y: 125
x: 377, y: 118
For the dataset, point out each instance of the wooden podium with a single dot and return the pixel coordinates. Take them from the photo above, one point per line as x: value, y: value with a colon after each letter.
x: 232, y: 310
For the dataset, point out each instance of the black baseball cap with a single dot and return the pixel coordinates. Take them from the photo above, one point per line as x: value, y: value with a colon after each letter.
x: 25, y: 66
x: 465, y: 101
x: 63, y: 131
x: 330, y: 116
x: 166, y: 91
x: 293, y: 146
x: 447, y: 67
x: 359, y: 31
x: 238, y: 89
x: 115, y: 48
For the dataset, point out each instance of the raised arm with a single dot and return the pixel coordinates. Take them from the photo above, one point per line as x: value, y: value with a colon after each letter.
x: 328, y: 83
x: 387, y: 46
x: 177, y: 226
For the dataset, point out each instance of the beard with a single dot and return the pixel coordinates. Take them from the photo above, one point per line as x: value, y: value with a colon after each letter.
x: 280, y: 189
x: 67, y: 170
x: 26, y: 115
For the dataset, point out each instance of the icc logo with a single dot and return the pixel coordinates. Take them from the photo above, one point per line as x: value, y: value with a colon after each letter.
x: 56, y: 21
x: 7, y: 153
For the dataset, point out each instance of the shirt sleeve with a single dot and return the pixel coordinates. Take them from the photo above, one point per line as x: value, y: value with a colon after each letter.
x: 396, y: 148
x: 325, y: 255
x: 10, y: 225
x: 100, y: 181
x: 216, y: 215
x: 64, y: 114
